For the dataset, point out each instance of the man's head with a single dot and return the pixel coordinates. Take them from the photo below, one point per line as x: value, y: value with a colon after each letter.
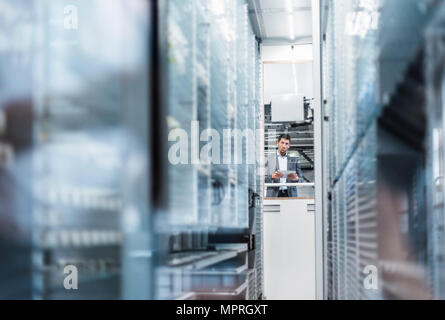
x: 283, y: 144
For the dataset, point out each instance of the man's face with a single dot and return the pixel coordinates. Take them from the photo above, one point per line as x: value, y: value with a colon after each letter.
x: 283, y: 146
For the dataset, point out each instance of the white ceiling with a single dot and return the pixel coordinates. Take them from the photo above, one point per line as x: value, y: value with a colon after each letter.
x: 275, y: 23
x: 281, y: 4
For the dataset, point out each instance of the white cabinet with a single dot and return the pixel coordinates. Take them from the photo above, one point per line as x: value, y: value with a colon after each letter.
x: 289, y: 249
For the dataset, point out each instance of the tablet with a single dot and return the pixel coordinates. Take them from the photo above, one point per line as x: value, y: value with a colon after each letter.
x: 286, y: 172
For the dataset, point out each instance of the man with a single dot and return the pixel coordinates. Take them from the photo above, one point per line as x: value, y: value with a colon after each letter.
x: 280, y: 161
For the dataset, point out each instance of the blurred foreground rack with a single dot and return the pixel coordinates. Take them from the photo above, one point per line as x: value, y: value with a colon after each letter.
x: 382, y: 87
x: 92, y: 206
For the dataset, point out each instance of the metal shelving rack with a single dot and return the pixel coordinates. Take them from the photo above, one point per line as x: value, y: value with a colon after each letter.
x: 371, y: 204
x: 204, y: 234
x: 435, y: 158
x: 258, y: 175
x: 89, y: 164
x: 90, y: 184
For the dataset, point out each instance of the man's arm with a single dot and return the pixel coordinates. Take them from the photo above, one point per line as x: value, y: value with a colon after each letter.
x: 271, y: 177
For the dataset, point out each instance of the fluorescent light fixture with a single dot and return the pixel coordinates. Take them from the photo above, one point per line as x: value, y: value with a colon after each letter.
x: 290, y: 20
x: 289, y: 7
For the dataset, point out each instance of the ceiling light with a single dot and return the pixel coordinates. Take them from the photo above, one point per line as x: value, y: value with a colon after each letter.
x: 289, y: 7
x: 290, y: 19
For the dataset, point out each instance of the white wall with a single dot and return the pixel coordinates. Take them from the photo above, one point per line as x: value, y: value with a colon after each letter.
x: 279, y: 71
x: 279, y: 74
x: 279, y: 79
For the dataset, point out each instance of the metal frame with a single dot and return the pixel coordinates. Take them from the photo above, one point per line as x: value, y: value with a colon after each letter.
x: 318, y: 148
x: 326, y: 139
x: 257, y: 20
x: 310, y: 184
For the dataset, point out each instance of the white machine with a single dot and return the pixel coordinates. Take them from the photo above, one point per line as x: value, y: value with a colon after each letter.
x: 288, y: 108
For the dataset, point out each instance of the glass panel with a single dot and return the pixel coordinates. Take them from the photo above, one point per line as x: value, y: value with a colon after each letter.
x: 77, y: 102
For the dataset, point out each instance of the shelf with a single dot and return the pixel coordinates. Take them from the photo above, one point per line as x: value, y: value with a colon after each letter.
x: 201, y: 260
x: 232, y: 295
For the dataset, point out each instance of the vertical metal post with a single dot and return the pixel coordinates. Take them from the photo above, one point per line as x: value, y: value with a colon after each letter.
x: 158, y: 131
x: 318, y: 148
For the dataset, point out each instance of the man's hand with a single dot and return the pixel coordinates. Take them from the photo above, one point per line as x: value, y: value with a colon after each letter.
x: 293, y: 177
x: 277, y: 175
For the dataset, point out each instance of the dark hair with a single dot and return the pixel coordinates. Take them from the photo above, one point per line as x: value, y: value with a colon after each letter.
x: 284, y: 136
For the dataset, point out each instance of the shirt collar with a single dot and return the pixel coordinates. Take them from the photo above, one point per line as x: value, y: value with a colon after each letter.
x: 279, y: 154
